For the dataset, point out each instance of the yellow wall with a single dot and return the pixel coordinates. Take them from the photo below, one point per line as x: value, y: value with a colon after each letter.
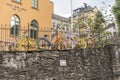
x: 26, y: 14
x: 92, y: 14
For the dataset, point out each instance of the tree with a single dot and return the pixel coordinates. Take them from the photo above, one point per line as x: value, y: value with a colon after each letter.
x: 106, y: 37
x: 98, y: 28
x: 99, y: 23
x: 116, y: 11
x: 79, y: 23
x: 92, y: 25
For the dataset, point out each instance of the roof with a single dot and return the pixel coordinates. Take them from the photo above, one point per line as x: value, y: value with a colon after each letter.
x: 84, y: 9
x: 61, y: 18
x: 109, y: 26
x: 87, y: 9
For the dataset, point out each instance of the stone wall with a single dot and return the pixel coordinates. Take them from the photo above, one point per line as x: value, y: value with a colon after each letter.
x: 89, y: 64
x: 115, y: 56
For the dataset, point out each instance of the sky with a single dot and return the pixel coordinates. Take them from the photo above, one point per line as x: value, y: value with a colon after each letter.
x: 63, y: 7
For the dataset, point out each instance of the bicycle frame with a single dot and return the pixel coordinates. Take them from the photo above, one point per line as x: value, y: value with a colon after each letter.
x: 24, y: 43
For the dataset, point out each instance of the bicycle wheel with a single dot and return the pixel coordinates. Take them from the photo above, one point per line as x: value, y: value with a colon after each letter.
x: 20, y: 45
x: 44, y: 43
x: 30, y: 44
x: 82, y: 43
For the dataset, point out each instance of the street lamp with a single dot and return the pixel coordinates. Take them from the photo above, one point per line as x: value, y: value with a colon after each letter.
x: 71, y: 30
x: 71, y: 17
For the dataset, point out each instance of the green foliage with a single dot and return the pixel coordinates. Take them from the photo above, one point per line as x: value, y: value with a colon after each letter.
x: 79, y: 23
x: 95, y: 25
x: 98, y: 28
x: 118, y: 2
x: 116, y: 11
x: 99, y: 21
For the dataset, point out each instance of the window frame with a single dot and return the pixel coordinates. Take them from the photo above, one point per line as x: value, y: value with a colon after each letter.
x: 34, y: 29
x: 35, y: 4
x: 14, y: 25
x: 54, y: 25
x: 16, y: 1
x: 58, y: 26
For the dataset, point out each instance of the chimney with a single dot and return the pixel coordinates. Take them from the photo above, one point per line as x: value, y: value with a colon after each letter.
x: 85, y: 5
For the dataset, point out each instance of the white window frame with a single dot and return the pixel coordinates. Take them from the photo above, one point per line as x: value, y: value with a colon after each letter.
x: 18, y: 1
x: 35, y: 3
x: 15, y: 25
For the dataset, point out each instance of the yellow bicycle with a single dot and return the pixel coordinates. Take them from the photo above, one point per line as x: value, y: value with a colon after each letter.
x: 82, y: 43
x: 61, y: 44
x: 24, y: 43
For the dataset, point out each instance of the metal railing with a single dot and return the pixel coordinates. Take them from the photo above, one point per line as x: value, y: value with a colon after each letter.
x: 25, y: 39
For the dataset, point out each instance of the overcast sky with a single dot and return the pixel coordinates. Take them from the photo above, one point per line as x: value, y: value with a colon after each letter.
x: 62, y: 7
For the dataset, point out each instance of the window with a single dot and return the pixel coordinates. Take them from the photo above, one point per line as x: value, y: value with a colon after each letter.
x: 34, y: 29
x: 63, y: 28
x: 18, y: 1
x: 35, y: 3
x: 15, y: 25
x: 53, y: 25
x: 58, y: 26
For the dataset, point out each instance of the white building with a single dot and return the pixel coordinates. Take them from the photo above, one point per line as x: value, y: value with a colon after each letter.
x: 111, y: 27
x: 63, y: 24
x: 60, y: 23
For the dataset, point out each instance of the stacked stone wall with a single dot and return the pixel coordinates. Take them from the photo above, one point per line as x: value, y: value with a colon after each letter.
x: 79, y: 64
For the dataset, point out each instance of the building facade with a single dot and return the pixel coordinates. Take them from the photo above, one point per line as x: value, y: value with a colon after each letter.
x: 111, y: 28
x: 61, y: 24
x: 18, y: 15
x: 85, y: 10
x: 81, y: 16
x: 81, y: 27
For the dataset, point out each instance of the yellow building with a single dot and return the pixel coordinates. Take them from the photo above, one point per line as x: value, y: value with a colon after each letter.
x: 19, y: 15
x: 82, y: 16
